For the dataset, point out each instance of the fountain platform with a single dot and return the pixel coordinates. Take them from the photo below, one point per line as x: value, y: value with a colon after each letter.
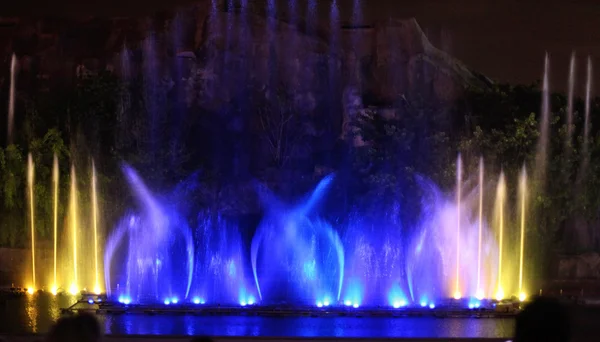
x: 446, y: 309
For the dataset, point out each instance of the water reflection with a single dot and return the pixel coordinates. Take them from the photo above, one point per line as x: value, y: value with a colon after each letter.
x: 36, y: 314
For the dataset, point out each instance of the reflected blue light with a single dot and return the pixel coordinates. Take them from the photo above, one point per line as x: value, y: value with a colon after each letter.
x: 423, y: 303
x: 432, y: 306
x: 174, y: 300
x: 471, y: 306
x: 319, y: 304
x: 251, y: 300
x: 243, y: 303
x: 348, y: 303
x: 196, y: 300
x: 167, y: 302
x: 355, y: 305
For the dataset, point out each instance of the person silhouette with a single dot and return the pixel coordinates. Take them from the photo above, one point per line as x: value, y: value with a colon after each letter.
x: 543, y: 320
x: 79, y: 328
x: 202, y: 339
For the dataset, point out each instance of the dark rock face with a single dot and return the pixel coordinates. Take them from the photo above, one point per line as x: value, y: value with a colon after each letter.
x: 387, y: 60
x: 583, y: 266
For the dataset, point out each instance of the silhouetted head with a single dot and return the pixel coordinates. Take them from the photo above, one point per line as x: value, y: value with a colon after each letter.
x: 202, y: 339
x: 80, y: 328
x: 543, y: 320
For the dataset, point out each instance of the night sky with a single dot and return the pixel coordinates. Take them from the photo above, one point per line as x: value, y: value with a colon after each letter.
x: 505, y: 39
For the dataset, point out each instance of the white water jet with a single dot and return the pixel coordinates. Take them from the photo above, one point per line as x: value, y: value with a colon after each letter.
x: 542, y: 148
x: 570, y: 101
x: 11, y: 98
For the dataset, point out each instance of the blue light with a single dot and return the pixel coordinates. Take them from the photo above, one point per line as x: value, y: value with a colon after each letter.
x: 355, y: 305
x: 251, y: 300
x: 196, y: 300
x: 471, y: 306
x: 120, y: 299
x: 90, y: 301
x: 423, y: 304
x: 432, y: 306
x: 477, y: 305
x: 167, y: 302
x: 348, y: 303
x: 319, y: 304
x: 126, y: 301
x: 174, y: 300
x: 243, y: 303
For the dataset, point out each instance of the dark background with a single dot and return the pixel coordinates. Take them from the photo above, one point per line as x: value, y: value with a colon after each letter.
x: 504, y: 40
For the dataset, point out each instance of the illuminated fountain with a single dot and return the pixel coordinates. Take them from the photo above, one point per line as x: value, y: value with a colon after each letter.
x: 457, y: 294
x: 523, y: 198
x: 373, y: 243
x: 96, y: 288
x: 296, y: 256
x: 458, y: 252
x: 74, y: 223
x: 480, y: 294
x: 150, y: 255
x: 55, y: 179
x: 11, y: 98
x: 30, y: 184
x: 432, y: 255
x: 222, y: 274
x: 500, y: 198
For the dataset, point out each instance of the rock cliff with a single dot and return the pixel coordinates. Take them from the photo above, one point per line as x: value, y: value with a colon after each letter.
x: 385, y: 60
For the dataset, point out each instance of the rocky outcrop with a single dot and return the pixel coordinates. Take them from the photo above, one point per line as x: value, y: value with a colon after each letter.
x: 583, y: 266
x: 405, y: 62
x: 386, y: 60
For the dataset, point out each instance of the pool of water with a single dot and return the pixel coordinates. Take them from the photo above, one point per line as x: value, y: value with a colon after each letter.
x: 37, y: 313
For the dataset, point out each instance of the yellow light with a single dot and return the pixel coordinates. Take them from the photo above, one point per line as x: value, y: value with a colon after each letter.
x: 30, y: 290
x: 53, y: 290
x: 479, y: 295
x: 95, y: 224
x: 500, y: 294
x: 97, y: 289
x: 522, y: 297
x: 457, y: 295
x: 73, y: 289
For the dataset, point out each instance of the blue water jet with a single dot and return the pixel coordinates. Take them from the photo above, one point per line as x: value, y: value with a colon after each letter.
x: 296, y: 256
x: 150, y: 254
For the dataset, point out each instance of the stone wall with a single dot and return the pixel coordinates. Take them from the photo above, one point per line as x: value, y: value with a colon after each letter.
x: 581, y: 266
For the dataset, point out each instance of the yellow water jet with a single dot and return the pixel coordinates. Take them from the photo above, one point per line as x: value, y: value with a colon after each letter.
x: 74, y: 226
x: 55, y: 185
x: 30, y: 176
x: 523, y: 191
x: 95, y: 225
x: 500, y: 294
